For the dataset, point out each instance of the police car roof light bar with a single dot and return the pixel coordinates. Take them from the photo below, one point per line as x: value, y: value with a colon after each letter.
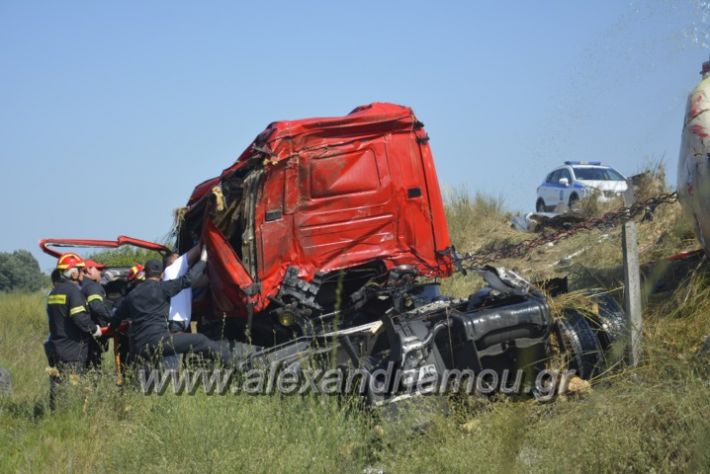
x: 593, y: 163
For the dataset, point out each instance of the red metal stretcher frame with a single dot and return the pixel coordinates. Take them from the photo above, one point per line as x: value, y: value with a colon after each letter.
x: 45, y: 244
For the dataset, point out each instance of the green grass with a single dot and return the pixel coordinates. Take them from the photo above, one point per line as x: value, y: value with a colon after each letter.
x: 637, y: 421
x: 653, y: 418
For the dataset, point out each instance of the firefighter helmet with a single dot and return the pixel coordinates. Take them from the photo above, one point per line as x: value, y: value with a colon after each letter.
x: 69, y: 260
x: 136, y: 273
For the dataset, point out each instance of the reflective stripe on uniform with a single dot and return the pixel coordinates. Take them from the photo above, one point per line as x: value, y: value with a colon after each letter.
x: 94, y: 298
x: 76, y: 310
x: 57, y: 299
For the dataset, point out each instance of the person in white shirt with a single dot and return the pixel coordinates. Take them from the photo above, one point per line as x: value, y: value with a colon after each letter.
x: 181, y: 304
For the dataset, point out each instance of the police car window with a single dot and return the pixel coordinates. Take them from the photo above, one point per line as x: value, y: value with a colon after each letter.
x: 564, y: 173
x: 554, y: 177
x: 596, y: 174
x: 550, y: 178
x: 614, y: 176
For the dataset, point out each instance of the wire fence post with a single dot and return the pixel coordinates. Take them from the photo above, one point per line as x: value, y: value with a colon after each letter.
x: 632, y: 290
x: 632, y: 284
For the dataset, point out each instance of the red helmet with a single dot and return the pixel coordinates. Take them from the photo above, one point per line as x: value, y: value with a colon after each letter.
x: 69, y: 260
x: 136, y: 272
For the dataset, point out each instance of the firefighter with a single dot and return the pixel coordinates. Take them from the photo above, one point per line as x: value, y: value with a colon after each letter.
x: 135, y: 277
x: 70, y: 326
x: 147, y: 308
x: 95, y: 301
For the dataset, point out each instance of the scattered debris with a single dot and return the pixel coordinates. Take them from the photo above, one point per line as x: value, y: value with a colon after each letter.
x: 471, y: 425
x: 578, y: 386
x: 524, y: 222
x: 567, y: 261
x: 539, y: 221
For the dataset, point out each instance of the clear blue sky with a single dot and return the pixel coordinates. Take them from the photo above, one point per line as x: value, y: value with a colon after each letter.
x: 111, y: 113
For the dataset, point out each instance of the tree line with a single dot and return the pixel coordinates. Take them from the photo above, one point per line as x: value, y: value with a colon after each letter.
x: 19, y: 271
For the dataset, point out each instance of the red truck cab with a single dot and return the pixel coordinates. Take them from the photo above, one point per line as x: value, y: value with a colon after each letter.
x: 314, y: 198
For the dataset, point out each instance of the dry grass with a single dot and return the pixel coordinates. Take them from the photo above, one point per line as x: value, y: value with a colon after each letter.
x: 476, y: 221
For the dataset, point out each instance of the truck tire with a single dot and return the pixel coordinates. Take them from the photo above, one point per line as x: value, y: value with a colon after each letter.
x: 611, y: 329
x: 581, y: 344
x: 612, y: 318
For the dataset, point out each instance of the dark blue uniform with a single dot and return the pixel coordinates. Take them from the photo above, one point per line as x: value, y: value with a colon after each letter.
x: 70, y: 327
x: 147, y: 307
x: 70, y: 333
x: 96, y: 301
x: 100, y: 314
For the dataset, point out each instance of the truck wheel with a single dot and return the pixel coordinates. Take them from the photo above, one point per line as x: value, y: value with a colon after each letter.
x: 613, y: 324
x: 540, y: 206
x: 611, y: 329
x: 582, y: 346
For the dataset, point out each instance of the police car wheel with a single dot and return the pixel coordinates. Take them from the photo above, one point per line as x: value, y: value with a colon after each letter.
x: 574, y: 203
x: 540, y: 206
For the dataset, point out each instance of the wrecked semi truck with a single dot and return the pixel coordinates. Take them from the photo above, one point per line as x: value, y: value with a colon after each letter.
x: 328, y: 240
x: 336, y: 227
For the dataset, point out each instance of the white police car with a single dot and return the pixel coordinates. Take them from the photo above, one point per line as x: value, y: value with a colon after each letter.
x: 566, y: 185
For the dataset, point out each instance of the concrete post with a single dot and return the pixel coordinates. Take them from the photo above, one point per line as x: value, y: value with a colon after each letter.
x: 632, y: 290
